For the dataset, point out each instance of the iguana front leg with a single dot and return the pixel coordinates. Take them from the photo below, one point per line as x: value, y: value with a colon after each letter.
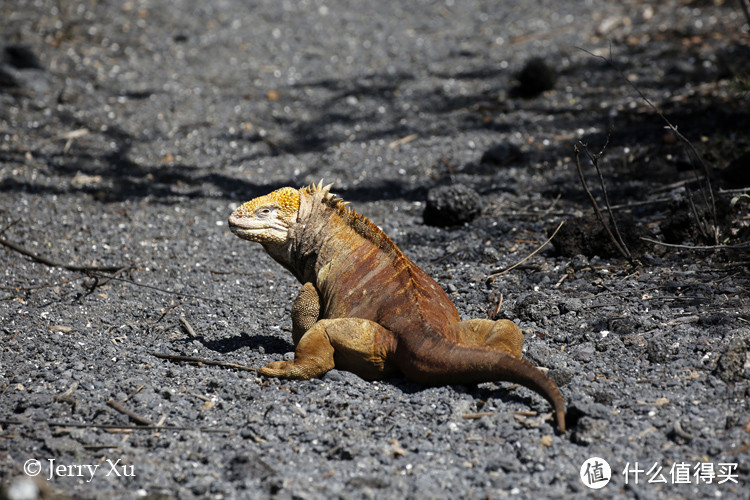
x: 305, y: 311
x: 501, y: 335
x: 357, y: 345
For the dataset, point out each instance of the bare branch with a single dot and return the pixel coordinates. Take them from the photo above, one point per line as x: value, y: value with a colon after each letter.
x: 113, y: 403
x: 625, y: 253
x: 203, y: 361
x: 692, y: 152
x: 503, y: 271
x: 48, y: 262
x: 739, y: 246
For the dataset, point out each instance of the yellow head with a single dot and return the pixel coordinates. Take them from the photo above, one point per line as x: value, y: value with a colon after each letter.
x: 266, y: 219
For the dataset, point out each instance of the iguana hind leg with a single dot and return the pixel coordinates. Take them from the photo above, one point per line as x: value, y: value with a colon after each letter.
x: 305, y: 311
x: 357, y: 345
x: 502, y: 335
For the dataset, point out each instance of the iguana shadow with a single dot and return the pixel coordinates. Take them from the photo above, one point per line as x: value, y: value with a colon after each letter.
x: 270, y: 343
x: 499, y: 391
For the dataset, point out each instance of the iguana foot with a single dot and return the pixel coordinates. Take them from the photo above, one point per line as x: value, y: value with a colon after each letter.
x: 284, y: 369
x: 357, y: 345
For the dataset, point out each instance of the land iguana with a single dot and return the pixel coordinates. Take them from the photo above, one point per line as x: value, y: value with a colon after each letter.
x: 365, y: 307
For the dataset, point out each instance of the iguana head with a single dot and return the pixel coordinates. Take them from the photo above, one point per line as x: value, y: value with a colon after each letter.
x: 267, y: 219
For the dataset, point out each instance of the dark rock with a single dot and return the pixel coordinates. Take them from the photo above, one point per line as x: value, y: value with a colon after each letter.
x: 451, y: 205
x: 249, y: 466
x: 535, y: 77
x: 587, y: 236
x: 626, y: 325
x: 502, y: 153
x: 589, y: 408
x: 367, y: 482
x: 535, y: 307
x: 561, y: 376
x: 503, y: 463
x: 473, y: 168
x: 22, y: 57
x: 590, y: 430
x: 491, y: 255
x: 658, y: 350
x: 737, y: 173
x: 60, y: 446
x: 603, y: 397
x: 686, y: 219
x: 731, y: 364
x: 7, y: 79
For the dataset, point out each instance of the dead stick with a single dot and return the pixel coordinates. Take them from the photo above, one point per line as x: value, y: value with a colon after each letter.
x: 696, y: 157
x: 476, y: 416
x: 188, y: 328
x: 43, y: 260
x: 594, y: 204
x: 204, y: 361
x: 136, y: 391
x: 595, y: 161
x: 497, y: 309
x: 87, y: 425
x: 743, y: 5
x: 113, y: 403
x: 691, y: 247
x: 503, y: 271
x: 172, y: 292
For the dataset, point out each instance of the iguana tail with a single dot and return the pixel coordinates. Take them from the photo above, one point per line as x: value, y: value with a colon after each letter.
x: 435, y: 361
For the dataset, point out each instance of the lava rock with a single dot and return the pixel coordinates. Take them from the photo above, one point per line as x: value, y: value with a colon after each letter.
x: 561, y: 376
x: 22, y: 57
x: 535, y: 307
x: 249, y: 465
x: 501, y: 154
x: 658, y: 350
x: 451, y: 205
x: 737, y: 174
x: 535, y: 77
x: 731, y: 365
x: 7, y: 79
x: 590, y: 431
x: 586, y: 236
x: 686, y: 218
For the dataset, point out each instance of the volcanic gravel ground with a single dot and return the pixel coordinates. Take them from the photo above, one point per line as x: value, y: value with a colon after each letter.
x: 130, y: 130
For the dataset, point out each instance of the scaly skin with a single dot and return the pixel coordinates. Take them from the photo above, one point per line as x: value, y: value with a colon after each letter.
x: 365, y: 307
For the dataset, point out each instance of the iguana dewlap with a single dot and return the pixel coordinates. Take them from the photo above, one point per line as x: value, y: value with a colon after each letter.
x: 365, y: 307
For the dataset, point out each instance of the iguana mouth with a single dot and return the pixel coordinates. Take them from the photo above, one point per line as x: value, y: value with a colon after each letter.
x: 255, y: 230
x: 244, y: 232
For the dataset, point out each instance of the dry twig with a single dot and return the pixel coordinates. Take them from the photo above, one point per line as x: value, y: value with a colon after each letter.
x: 503, y: 271
x: 739, y: 246
x: 203, y: 361
x: 745, y: 9
x: 48, y: 262
x: 188, y: 328
x: 86, y: 425
x: 708, y: 229
x: 617, y: 241
x: 113, y: 403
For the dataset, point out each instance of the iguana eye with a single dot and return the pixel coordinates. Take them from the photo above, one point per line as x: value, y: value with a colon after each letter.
x: 264, y: 212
